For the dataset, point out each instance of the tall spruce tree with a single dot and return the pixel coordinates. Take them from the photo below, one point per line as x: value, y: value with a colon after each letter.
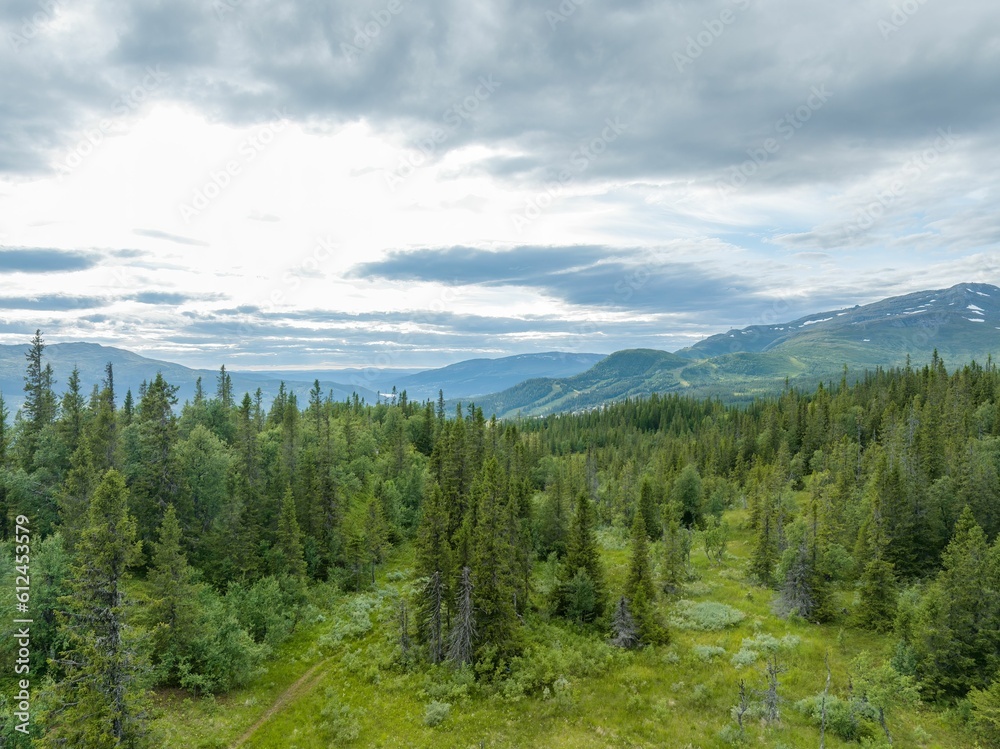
x: 640, y: 590
x: 493, y: 559
x: 434, y: 565
x: 583, y: 556
x: 101, y: 702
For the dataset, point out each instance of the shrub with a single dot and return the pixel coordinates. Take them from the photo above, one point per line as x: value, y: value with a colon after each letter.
x: 707, y: 616
x: 752, y: 648
x: 261, y: 610
x: 339, y: 722
x: 843, y: 718
x: 436, y: 713
x: 708, y: 652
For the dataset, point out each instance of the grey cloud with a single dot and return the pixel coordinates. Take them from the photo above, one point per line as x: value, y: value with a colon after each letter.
x: 177, y: 238
x: 44, y: 260
x: 583, y: 275
x: 54, y: 302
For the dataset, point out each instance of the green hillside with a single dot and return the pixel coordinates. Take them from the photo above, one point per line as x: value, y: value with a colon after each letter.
x: 961, y: 323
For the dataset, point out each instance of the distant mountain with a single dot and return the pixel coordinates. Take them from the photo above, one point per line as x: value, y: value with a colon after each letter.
x: 476, y: 377
x: 464, y: 379
x: 461, y: 380
x: 131, y: 370
x: 961, y: 323
x: 622, y: 374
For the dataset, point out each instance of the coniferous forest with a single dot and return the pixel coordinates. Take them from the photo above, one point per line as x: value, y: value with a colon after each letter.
x: 814, y: 569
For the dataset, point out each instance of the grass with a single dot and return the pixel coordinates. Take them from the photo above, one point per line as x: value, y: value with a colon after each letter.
x: 674, y: 696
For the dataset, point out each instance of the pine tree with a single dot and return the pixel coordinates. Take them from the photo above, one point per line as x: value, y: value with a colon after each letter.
x: 625, y: 634
x: 153, y: 471
x: 287, y: 556
x: 687, y: 493
x: 493, y: 560
x: 172, y: 608
x: 582, y: 555
x: 463, y: 635
x: 957, y: 637
x: 434, y: 564
x: 648, y: 508
x: 639, y: 586
x: 101, y: 703
x: 878, y: 593
x: 74, y: 496
x: 39, y: 409
x: 676, y: 550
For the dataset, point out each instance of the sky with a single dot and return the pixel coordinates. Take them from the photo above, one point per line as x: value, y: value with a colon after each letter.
x: 391, y: 183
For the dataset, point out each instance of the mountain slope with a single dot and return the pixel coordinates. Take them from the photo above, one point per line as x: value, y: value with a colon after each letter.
x: 476, y: 377
x: 962, y: 323
x: 622, y: 374
x: 131, y: 370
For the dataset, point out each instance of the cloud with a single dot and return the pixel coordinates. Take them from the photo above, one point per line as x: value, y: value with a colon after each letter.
x: 177, y: 238
x: 170, y: 298
x: 54, y: 302
x: 44, y: 260
x: 627, y: 278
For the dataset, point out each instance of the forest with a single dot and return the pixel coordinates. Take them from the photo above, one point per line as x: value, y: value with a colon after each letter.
x: 813, y: 569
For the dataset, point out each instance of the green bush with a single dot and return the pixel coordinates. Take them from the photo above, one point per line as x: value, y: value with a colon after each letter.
x: 338, y: 722
x: 707, y: 652
x: 261, y: 610
x: 844, y: 719
x: 224, y: 655
x: 707, y: 616
x: 436, y: 713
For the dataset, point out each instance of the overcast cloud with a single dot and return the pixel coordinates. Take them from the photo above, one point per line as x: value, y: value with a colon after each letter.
x: 272, y: 184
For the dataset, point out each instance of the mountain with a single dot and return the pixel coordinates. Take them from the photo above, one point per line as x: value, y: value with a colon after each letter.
x: 464, y: 379
x: 131, y: 370
x: 461, y: 380
x: 476, y: 377
x: 622, y: 374
x: 961, y: 323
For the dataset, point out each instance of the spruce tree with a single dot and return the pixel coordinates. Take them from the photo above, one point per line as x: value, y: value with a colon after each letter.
x: 434, y: 565
x: 39, y: 409
x: 101, y: 702
x: 172, y: 609
x: 676, y: 550
x: 463, y: 636
x: 624, y: 633
x: 493, y: 562
x: 287, y: 556
x: 957, y: 634
x: 639, y: 586
x: 582, y: 555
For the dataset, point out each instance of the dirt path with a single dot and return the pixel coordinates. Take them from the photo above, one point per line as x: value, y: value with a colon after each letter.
x: 302, y: 685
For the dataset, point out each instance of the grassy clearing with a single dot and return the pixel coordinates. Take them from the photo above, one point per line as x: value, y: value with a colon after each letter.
x: 582, y: 693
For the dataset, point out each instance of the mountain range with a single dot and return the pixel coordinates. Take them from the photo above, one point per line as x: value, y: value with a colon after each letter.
x: 962, y: 323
